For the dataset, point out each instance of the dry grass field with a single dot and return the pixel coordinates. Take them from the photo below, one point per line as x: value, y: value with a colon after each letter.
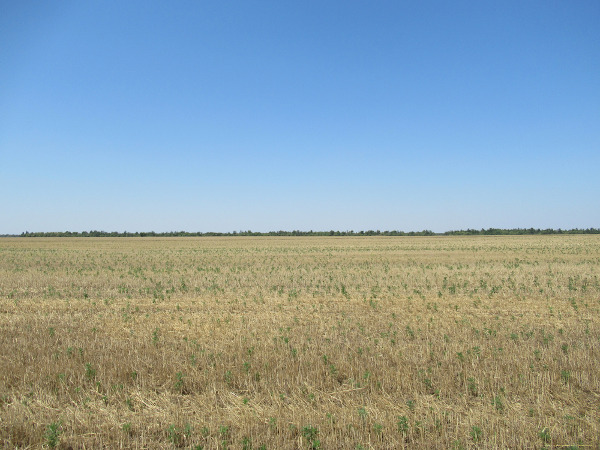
x: 285, y: 343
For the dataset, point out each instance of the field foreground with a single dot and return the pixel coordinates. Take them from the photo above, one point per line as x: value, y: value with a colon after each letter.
x: 377, y: 342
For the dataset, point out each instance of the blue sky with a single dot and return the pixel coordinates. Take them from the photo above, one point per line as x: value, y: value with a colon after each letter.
x: 269, y: 115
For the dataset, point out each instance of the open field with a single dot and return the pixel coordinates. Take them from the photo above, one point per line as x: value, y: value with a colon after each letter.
x: 376, y: 342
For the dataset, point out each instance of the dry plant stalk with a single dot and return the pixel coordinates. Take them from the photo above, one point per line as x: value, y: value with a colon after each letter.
x: 376, y: 342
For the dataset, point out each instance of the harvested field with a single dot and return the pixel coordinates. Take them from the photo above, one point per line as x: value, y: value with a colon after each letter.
x: 265, y: 342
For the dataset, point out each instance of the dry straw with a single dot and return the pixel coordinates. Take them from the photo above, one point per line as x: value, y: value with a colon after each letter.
x: 376, y: 342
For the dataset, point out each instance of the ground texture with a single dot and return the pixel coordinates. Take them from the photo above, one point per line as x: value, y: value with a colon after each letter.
x: 376, y: 342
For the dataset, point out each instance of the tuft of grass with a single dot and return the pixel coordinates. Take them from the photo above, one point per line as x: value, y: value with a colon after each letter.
x: 476, y: 433
x: 310, y: 433
x: 52, y: 435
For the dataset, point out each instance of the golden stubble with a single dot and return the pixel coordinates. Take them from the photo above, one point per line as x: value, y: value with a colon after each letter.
x: 375, y: 342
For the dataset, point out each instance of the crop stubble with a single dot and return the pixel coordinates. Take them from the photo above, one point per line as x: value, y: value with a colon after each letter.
x: 375, y: 342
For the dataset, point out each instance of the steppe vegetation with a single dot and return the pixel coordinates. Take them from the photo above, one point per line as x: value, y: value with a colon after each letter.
x: 300, y: 342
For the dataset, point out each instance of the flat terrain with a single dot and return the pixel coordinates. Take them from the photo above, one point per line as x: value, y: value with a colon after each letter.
x: 375, y: 342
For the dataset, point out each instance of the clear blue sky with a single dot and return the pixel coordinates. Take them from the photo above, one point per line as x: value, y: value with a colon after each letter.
x: 269, y: 115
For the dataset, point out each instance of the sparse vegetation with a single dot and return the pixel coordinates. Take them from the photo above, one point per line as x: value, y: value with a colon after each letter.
x: 301, y: 342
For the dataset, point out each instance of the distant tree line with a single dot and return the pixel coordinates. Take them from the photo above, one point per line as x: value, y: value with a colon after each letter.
x: 520, y: 231
x: 95, y: 233
x: 468, y: 232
